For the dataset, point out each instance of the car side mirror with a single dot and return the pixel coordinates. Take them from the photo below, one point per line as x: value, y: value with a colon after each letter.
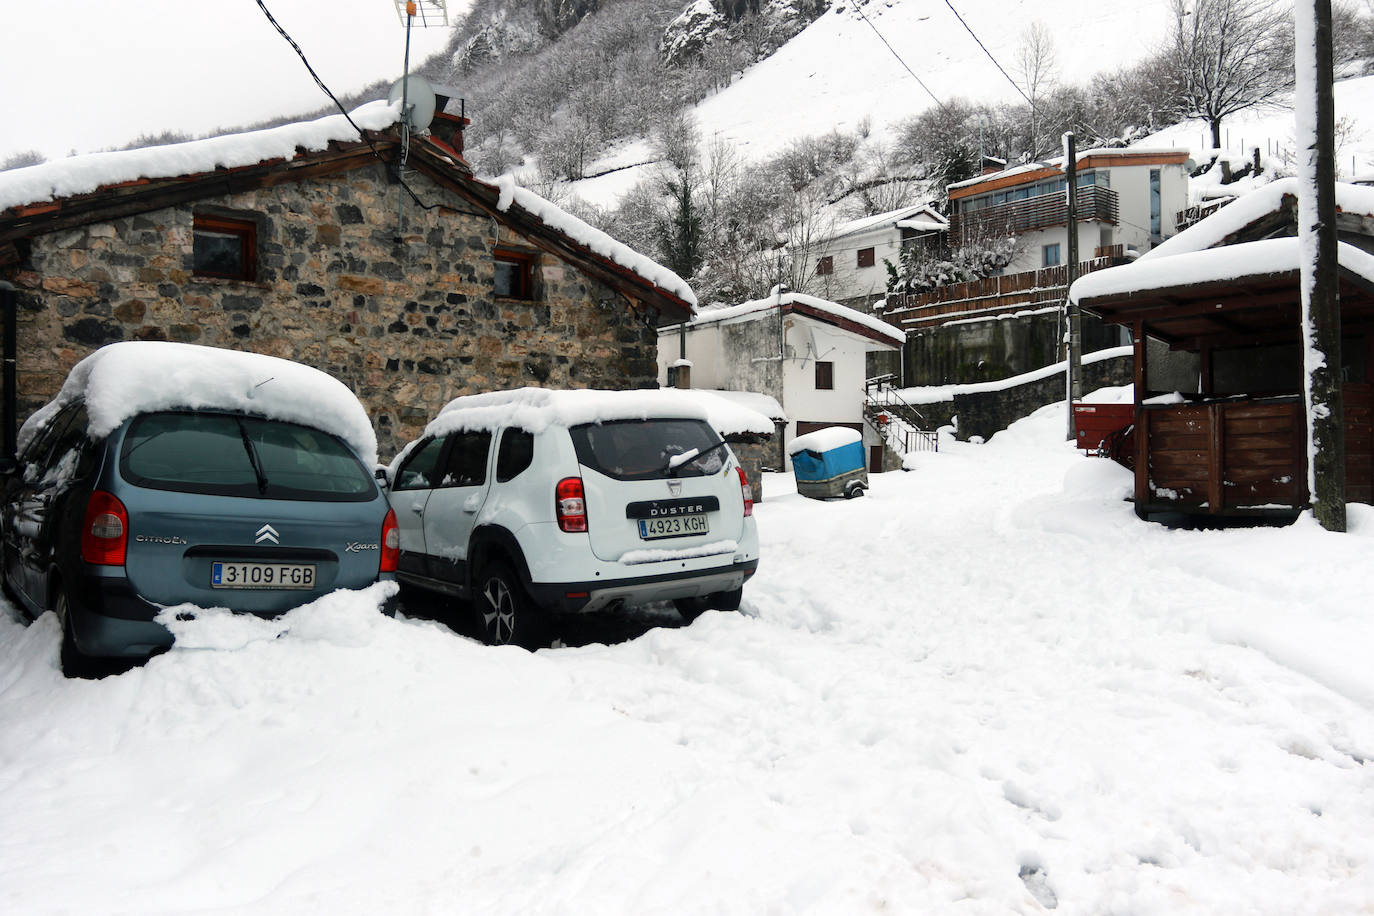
x: 383, y: 478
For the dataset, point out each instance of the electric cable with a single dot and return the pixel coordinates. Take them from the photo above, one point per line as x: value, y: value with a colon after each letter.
x: 366, y: 139
x: 858, y: 7
x: 966, y: 26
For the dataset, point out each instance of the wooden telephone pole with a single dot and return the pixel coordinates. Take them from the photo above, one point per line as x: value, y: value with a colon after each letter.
x: 1075, y: 342
x: 1314, y: 109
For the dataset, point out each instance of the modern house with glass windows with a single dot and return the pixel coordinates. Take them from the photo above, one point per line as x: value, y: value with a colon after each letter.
x: 1128, y: 201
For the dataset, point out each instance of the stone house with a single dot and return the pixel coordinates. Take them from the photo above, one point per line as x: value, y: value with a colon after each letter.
x: 807, y: 354
x: 301, y: 242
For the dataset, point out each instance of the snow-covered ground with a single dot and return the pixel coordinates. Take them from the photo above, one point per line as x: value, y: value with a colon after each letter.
x: 984, y: 688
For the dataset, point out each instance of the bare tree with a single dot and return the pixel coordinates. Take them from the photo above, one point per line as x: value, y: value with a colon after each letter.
x: 1035, y: 64
x: 1228, y: 56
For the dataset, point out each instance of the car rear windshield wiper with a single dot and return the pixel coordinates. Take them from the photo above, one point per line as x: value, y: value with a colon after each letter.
x: 687, y: 457
x: 253, y: 458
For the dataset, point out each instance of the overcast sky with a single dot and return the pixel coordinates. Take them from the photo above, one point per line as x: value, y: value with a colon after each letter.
x: 86, y: 75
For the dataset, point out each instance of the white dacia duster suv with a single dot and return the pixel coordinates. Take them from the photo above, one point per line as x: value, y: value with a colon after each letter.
x: 534, y: 502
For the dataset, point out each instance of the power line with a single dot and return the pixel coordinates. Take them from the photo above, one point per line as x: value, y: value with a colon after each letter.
x: 1013, y: 82
x: 366, y: 139
x: 859, y: 8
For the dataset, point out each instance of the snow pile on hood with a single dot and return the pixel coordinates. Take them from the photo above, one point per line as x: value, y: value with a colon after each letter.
x: 556, y: 218
x: 823, y: 440
x: 124, y: 379
x: 83, y: 174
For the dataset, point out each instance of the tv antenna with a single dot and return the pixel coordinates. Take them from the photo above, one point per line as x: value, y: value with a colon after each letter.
x: 415, y: 115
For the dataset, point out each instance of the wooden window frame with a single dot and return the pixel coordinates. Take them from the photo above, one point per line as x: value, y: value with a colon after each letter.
x: 866, y: 257
x: 825, y: 375
x: 825, y: 266
x: 524, y: 260
x: 246, y: 230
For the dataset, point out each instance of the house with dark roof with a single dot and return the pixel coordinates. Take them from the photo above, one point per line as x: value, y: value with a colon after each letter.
x: 341, y: 243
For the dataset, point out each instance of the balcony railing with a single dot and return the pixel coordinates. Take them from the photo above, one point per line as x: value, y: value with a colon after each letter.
x: 1094, y: 203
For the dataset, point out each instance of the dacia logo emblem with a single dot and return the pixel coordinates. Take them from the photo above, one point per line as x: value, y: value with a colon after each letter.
x: 674, y: 487
x: 267, y: 533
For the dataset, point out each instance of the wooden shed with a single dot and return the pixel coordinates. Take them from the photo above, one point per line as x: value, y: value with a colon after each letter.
x: 1236, y: 445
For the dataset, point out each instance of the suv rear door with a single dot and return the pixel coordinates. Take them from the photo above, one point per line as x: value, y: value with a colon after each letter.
x: 639, y: 499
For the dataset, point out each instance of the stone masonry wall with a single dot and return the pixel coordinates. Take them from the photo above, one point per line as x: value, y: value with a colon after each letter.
x: 407, y: 326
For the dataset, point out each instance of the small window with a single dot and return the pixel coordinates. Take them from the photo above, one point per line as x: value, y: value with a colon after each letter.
x: 514, y: 274
x: 1049, y: 255
x: 516, y: 454
x: 225, y: 248
x: 865, y: 257
x: 825, y: 266
x: 467, y: 460
x: 418, y: 472
x: 825, y: 376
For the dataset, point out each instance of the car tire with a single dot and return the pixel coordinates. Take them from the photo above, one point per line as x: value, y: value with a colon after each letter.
x: 74, y: 662
x: 853, y: 489
x: 692, y: 608
x: 727, y: 601
x: 506, y: 616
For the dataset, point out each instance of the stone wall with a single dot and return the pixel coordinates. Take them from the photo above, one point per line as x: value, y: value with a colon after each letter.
x: 407, y: 325
x: 986, y: 412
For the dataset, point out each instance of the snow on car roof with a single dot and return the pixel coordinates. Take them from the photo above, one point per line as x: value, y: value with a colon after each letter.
x: 823, y: 440
x: 122, y: 380
x: 536, y: 409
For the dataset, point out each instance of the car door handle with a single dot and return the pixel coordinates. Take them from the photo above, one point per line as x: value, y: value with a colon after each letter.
x: 418, y: 508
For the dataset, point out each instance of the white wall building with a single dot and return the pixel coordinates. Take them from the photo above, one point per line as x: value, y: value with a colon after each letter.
x: 848, y: 262
x: 1128, y: 200
x: 806, y: 353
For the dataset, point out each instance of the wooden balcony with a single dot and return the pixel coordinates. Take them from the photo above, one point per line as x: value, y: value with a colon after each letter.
x: 1043, y: 212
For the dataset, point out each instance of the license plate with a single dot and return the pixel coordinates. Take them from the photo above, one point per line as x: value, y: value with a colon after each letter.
x: 262, y: 575
x: 673, y: 527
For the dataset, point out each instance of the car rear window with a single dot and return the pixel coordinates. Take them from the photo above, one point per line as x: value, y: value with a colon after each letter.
x: 231, y: 455
x: 643, y: 449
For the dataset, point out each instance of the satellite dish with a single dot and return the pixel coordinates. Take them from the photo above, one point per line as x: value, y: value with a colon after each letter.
x: 419, y: 100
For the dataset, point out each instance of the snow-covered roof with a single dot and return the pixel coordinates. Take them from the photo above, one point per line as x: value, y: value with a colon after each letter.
x: 1248, y: 208
x: 758, y: 307
x: 84, y: 174
x: 823, y: 440
x: 1057, y: 163
x: 536, y: 409
x: 1229, y: 262
x: 122, y: 380
x: 556, y: 218
x: 925, y: 225
x: 896, y: 217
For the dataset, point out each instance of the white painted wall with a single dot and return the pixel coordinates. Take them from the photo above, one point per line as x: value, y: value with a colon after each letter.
x: 849, y: 279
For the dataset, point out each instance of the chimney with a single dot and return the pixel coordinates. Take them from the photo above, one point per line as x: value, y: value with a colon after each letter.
x: 446, y: 127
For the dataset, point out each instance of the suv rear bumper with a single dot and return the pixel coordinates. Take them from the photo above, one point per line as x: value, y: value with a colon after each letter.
x: 576, y: 597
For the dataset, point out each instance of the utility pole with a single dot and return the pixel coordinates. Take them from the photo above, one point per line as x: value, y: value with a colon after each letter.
x: 1314, y: 110
x: 1075, y: 372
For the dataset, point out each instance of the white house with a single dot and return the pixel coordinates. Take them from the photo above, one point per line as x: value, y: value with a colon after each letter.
x: 847, y: 262
x: 806, y: 353
x: 1128, y: 200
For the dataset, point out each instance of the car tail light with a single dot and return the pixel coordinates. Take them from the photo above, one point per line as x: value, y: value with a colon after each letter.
x: 391, y: 543
x: 105, y: 534
x: 748, y: 492
x: 571, y: 503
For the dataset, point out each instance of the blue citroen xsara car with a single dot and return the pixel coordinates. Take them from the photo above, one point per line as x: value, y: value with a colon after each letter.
x: 245, y: 486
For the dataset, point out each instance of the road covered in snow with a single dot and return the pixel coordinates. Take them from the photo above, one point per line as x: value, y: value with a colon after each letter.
x: 984, y: 688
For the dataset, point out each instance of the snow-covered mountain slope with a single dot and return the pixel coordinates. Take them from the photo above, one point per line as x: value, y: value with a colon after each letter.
x: 839, y: 73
